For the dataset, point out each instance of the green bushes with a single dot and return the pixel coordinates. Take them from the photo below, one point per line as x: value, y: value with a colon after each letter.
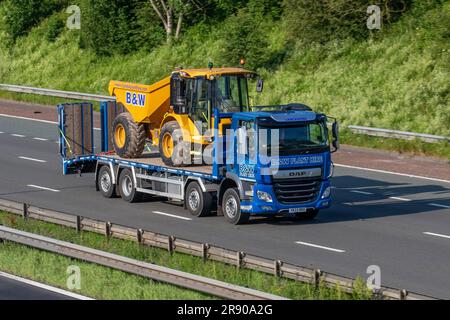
x: 22, y: 15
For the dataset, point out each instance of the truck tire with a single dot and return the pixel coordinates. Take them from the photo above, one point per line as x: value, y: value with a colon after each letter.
x: 308, y: 215
x: 127, y: 188
x: 231, y: 207
x: 170, y: 141
x: 105, y: 184
x: 128, y: 137
x: 198, y: 203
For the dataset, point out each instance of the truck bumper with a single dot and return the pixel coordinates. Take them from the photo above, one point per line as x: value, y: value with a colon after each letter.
x: 255, y: 206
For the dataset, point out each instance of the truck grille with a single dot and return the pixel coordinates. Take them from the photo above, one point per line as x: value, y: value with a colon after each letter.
x: 297, y: 191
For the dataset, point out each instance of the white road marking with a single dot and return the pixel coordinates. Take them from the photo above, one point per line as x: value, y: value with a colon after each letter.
x: 25, y: 118
x: 400, y: 199
x: 439, y: 205
x: 31, y: 119
x: 1, y: 132
x: 18, y: 135
x: 42, y: 188
x: 320, y: 247
x: 44, y: 286
x: 390, y: 172
x: 32, y: 159
x: 40, y: 139
x: 361, y: 192
x: 437, y: 235
x: 171, y: 215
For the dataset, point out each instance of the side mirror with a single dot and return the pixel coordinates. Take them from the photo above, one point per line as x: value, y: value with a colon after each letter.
x: 335, y: 132
x: 260, y: 86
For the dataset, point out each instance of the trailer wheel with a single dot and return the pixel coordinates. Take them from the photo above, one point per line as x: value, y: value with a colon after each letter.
x: 308, y: 215
x: 128, y: 137
x: 171, y: 145
x: 231, y: 207
x: 127, y: 188
x: 105, y: 182
x: 199, y: 203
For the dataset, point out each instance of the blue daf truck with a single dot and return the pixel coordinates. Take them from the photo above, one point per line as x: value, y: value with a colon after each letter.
x: 249, y: 174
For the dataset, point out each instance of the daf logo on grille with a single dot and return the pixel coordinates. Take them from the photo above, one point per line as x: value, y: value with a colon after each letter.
x: 297, y: 174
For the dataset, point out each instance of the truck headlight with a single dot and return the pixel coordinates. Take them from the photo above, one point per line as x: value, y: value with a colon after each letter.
x: 264, y: 196
x: 326, y: 193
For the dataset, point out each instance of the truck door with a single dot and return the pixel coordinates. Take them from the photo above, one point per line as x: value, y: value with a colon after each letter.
x: 246, y: 147
x: 76, y: 137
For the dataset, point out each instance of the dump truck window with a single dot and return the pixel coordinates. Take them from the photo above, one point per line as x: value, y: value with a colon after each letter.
x: 231, y: 94
x: 200, y: 103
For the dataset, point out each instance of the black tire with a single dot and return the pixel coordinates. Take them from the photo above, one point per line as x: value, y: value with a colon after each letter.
x: 127, y: 188
x: 177, y: 159
x: 135, y: 136
x: 105, y: 184
x: 231, y: 207
x: 198, y: 203
x: 308, y: 215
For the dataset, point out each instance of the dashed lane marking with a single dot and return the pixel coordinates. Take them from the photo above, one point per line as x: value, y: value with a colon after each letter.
x: 42, y: 188
x: 319, y: 247
x: 171, y: 215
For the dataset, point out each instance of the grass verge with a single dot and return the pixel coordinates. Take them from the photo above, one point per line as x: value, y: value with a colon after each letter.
x: 102, y: 282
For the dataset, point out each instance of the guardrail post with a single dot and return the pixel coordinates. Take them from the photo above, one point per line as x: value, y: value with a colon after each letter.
x: 78, y: 224
x: 403, y: 294
x: 317, y: 273
x: 205, y: 251
x: 108, y: 226
x: 240, y: 259
x: 25, y: 212
x: 139, y: 235
x: 277, y: 268
x: 171, y: 244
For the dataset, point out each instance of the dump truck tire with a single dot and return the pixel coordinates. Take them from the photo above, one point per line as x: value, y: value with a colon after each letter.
x: 171, y: 145
x: 128, y: 137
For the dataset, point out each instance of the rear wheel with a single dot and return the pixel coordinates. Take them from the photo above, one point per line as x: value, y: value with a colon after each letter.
x: 127, y: 187
x: 199, y: 203
x: 104, y: 182
x: 231, y: 207
x: 171, y: 145
x: 308, y: 215
x: 128, y: 136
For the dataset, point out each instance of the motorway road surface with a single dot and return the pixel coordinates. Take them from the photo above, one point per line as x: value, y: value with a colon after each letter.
x: 399, y: 223
x: 15, y: 288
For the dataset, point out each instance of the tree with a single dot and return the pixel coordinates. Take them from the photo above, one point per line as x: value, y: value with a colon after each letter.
x: 170, y: 10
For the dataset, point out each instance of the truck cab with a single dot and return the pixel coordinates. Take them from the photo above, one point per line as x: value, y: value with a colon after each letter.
x: 279, y: 158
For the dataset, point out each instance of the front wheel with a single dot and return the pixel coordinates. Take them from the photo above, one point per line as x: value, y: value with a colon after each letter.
x: 231, y: 207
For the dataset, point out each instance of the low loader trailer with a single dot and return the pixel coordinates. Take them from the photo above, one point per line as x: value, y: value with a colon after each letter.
x: 270, y: 162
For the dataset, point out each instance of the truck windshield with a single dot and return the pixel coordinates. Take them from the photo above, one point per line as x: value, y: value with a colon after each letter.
x: 231, y: 94
x: 299, y: 139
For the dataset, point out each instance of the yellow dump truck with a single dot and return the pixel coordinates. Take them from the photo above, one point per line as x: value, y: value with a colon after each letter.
x: 176, y: 113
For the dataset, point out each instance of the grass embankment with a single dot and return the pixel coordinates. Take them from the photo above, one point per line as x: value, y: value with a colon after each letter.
x: 105, y: 283
x: 398, y: 79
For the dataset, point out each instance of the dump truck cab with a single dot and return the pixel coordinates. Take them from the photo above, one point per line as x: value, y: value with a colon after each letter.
x: 176, y: 113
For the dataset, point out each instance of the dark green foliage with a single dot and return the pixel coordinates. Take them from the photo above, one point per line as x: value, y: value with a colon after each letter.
x: 54, y: 29
x: 246, y: 35
x: 121, y: 26
x: 324, y: 20
x: 22, y: 15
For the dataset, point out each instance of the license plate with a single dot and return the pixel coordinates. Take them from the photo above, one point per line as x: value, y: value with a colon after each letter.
x: 297, y: 210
